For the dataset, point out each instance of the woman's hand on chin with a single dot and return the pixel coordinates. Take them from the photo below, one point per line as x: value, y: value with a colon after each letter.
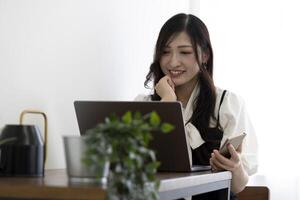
x: 165, y: 88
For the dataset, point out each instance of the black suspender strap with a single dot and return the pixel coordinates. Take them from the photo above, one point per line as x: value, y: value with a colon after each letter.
x: 212, y: 137
x: 222, y: 98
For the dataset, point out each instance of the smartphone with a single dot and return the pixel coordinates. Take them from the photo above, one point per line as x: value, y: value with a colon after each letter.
x: 236, y: 141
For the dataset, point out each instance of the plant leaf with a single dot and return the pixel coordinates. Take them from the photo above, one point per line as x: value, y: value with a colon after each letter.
x: 166, y: 127
x: 127, y: 117
x: 154, y: 119
x: 151, y: 167
x: 137, y: 115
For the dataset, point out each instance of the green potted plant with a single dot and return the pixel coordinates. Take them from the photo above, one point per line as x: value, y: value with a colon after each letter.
x: 123, y: 142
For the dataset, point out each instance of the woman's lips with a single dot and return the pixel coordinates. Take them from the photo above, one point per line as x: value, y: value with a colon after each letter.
x: 175, y: 73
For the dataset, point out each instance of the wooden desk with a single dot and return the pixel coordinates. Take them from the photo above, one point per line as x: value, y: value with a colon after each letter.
x: 55, y: 185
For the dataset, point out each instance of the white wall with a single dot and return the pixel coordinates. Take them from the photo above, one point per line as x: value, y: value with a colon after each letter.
x: 256, y: 45
x: 53, y: 52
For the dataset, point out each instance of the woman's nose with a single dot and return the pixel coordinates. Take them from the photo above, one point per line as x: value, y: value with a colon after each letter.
x: 174, y: 60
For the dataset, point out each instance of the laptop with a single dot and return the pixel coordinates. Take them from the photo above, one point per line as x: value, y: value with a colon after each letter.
x: 172, y: 149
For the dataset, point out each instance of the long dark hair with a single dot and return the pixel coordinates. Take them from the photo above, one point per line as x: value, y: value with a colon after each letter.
x: 198, y: 33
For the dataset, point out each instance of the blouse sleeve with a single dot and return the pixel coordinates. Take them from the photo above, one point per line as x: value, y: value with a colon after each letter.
x: 142, y: 97
x: 235, y: 120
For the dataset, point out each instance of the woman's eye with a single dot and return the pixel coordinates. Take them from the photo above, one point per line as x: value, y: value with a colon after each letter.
x: 186, y: 52
x: 166, y: 52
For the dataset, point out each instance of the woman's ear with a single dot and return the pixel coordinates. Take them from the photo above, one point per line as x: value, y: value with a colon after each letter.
x: 205, y: 57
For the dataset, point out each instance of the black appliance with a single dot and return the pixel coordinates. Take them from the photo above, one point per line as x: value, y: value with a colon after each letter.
x: 22, y: 149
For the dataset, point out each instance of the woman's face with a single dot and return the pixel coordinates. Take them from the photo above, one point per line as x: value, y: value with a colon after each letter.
x: 179, y: 60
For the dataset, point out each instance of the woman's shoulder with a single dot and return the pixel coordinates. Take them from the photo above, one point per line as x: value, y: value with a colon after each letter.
x: 229, y: 96
x: 143, y: 97
x: 232, y: 102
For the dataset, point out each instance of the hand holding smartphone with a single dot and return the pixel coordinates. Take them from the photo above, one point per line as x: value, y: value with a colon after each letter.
x: 236, y: 141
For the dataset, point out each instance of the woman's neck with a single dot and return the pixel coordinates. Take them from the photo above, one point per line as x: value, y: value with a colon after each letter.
x: 185, y: 91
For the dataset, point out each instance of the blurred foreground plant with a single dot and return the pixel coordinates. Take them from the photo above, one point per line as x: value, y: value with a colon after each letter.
x: 123, y: 142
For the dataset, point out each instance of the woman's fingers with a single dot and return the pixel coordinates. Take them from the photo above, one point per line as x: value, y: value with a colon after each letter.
x: 165, y: 88
x: 221, y: 158
x: 233, y: 153
x: 222, y: 162
x: 213, y: 165
x: 170, y: 82
x: 166, y: 80
x: 219, y: 162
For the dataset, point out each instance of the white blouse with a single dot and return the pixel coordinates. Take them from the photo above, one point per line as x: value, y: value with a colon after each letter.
x: 234, y: 120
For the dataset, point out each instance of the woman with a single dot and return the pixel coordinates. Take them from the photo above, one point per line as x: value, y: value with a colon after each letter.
x: 182, y: 70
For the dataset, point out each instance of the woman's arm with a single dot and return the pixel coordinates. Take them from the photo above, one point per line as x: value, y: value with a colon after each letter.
x: 239, y: 175
x: 234, y: 120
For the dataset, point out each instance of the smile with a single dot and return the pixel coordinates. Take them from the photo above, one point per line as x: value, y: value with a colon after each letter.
x: 176, y: 72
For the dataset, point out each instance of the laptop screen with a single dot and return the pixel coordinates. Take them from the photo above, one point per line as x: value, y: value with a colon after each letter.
x: 171, y: 148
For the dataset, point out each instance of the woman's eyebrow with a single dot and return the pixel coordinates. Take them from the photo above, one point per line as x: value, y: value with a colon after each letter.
x: 185, y: 46
x: 180, y: 46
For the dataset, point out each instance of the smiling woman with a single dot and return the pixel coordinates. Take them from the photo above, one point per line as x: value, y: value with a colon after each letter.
x: 180, y: 65
x: 182, y: 70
